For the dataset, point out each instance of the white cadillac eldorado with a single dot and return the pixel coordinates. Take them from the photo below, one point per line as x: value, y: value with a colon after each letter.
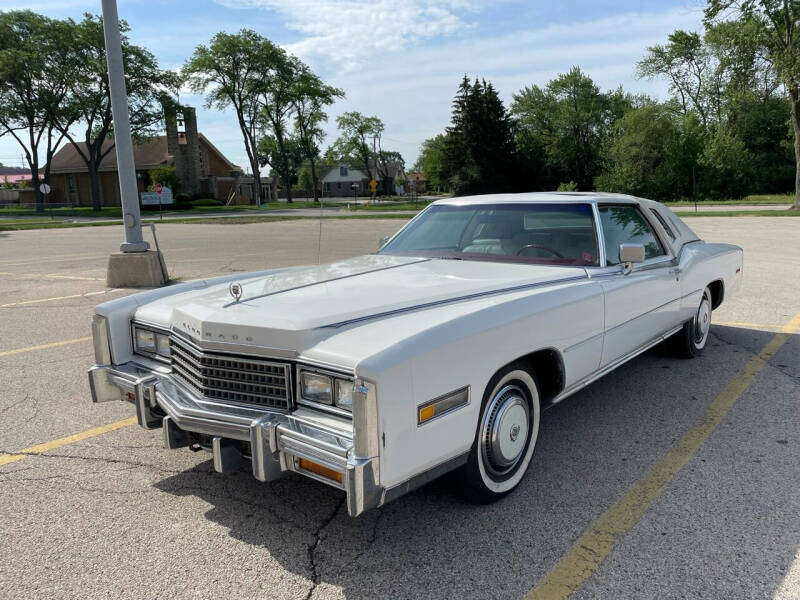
x: 438, y: 352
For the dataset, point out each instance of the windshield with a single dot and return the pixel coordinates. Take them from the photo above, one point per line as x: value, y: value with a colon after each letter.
x: 557, y: 234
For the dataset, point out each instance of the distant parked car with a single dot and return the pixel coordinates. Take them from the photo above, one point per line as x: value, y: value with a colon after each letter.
x: 438, y: 352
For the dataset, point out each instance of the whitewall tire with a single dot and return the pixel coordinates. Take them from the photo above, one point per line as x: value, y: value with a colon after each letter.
x: 506, y: 435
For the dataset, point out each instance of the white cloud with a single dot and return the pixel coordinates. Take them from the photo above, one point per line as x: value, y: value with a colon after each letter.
x: 349, y: 32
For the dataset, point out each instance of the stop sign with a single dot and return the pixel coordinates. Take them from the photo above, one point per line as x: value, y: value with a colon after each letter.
x: 159, y: 188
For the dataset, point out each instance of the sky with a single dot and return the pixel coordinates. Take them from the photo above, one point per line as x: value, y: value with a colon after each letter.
x: 402, y: 60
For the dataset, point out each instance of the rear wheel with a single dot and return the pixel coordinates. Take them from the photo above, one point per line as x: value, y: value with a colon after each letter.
x: 506, y: 435
x: 690, y: 341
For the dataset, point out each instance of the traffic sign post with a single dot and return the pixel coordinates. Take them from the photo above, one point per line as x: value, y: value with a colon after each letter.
x: 45, y: 189
x: 373, y: 185
x: 159, y: 189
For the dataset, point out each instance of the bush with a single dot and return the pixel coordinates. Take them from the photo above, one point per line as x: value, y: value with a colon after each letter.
x: 166, y: 176
x: 207, y: 202
x: 567, y: 187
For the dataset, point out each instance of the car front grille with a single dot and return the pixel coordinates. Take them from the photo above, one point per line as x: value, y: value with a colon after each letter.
x: 231, y: 378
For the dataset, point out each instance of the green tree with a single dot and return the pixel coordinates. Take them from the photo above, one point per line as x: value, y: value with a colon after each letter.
x: 771, y: 28
x: 32, y: 85
x: 305, y: 179
x: 311, y: 96
x: 478, y: 151
x: 231, y: 71
x: 356, y: 141
x: 693, y: 71
x: 88, y: 98
x: 564, y: 127
x: 641, y: 160
x: 166, y: 176
x: 430, y: 160
x: 285, y: 157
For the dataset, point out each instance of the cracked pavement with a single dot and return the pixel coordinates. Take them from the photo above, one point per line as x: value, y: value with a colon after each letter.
x: 118, y: 516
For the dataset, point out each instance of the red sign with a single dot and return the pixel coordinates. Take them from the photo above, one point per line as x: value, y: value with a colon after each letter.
x: 158, y: 188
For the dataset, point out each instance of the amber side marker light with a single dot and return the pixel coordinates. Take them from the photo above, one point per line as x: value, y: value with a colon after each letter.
x: 320, y: 470
x: 442, y: 404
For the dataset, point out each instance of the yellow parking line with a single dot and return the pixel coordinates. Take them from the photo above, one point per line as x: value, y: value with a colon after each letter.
x: 45, y: 346
x: 581, y: 562
x: 10, y: 304
x: 70, y: 439
x: 746, y: 325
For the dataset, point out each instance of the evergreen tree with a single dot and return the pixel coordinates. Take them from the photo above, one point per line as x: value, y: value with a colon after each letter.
x: 479, y: 155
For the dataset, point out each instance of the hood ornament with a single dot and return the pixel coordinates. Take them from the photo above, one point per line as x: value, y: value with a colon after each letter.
x: 235, y: 290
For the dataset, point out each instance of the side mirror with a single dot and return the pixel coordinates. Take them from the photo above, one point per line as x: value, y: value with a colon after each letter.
x: 630, y: 254
x: 383, y: 241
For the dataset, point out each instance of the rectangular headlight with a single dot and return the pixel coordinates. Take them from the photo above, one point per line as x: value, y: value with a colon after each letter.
x: 344, y: 394
x: 149, y: 342
x: 316, y: 387
x: 144, y: 340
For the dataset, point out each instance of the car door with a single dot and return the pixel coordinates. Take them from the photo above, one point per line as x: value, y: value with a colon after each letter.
x: 644, y: 303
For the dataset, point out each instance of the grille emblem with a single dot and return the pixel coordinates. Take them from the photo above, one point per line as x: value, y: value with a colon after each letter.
x: 235, y: 289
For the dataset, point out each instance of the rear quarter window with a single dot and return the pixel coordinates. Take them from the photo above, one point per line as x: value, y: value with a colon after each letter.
x: 664, y: 224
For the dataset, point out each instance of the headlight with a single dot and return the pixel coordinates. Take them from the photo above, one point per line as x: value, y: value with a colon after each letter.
x: 150, y: 343
x: 344, y: 394
x: 326, y: 389
x: 316, y: 387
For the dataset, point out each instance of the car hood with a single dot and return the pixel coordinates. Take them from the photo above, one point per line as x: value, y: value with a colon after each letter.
x: 296, y: 308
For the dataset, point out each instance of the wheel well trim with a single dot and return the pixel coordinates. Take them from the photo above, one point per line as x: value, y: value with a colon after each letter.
x: 550, y: 383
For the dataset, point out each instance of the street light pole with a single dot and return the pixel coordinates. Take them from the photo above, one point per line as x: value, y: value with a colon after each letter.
x: 129, y: 192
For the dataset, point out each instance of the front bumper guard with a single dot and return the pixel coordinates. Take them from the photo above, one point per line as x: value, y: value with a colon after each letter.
x: 278, y: 441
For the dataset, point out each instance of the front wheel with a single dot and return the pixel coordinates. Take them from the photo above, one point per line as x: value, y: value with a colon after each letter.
x: 506, y: 435
x: 690, y: 341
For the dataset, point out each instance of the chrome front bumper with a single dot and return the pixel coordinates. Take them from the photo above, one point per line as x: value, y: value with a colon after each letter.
x: 278, y: 441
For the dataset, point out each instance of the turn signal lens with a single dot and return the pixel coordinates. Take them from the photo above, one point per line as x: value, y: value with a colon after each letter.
x: 426, y: 413
x: 319, y: 469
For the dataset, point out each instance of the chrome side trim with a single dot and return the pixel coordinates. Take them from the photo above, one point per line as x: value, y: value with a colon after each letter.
x: 578, y: 385
x: 582, y: 342
x: 601, y: 238
x: 421, y: 479
x: 508, y: 290
x: 644, y: 314
x: 300, y: 287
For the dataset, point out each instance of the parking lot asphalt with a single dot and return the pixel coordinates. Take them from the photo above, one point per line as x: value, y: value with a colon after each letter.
x: 113, y: 514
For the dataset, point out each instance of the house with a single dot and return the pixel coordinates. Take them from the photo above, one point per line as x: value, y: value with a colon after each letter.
x: 340, y: 179
x: 14, y: 175
x: 201, y: 167
x: 416, y: 183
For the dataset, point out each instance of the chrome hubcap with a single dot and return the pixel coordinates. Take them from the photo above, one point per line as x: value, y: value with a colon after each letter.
x: 702, y: 322
x: 505, y: 430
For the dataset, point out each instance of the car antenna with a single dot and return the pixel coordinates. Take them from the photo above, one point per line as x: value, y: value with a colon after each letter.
x: 319, y: 236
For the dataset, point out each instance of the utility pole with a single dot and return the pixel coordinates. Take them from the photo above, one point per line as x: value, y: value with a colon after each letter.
x: 129, y: 192
x: 135, y: 265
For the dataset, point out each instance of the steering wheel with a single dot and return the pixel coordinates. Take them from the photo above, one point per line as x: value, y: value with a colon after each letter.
x: 541, y: 247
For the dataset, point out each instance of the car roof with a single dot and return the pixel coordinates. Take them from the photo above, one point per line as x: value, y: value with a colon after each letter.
x: 545, y: 197
x: 684, y: 233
